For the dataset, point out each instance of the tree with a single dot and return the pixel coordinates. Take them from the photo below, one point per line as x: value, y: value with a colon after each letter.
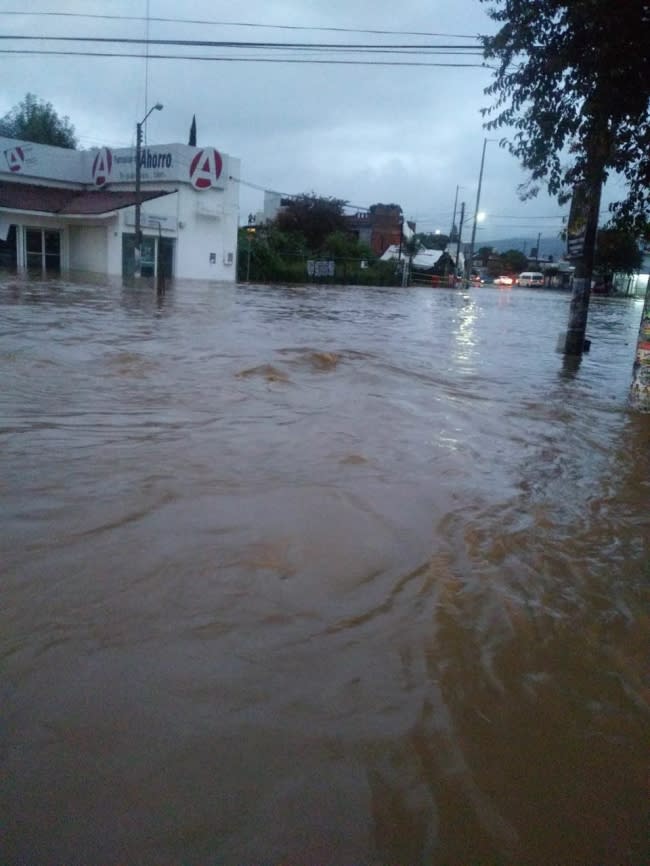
x: 616, y: 252
x: 573, y: 80
x: 314, y: 216
x: 343, y: 245
x: 513, y: 261
x: 35, y: 120
x: 484, y: 254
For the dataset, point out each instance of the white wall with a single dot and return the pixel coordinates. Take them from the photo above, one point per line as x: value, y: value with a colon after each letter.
x: 203, y: 224
x: 207, y: 235
x: 201, y: 214
x: 88, y: 248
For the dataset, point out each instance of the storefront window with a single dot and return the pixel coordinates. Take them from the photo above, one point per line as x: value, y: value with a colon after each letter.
x: 157, y: 256
x: 43, y: 251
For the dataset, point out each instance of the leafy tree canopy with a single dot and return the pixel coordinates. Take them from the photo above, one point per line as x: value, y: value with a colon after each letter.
x: 342, y: 245
x: 484, y: 254
x: 617, y: 251
x: 572, y: 79
x: 313, y: 216
x: 513, y: 261
x: 35, y: 120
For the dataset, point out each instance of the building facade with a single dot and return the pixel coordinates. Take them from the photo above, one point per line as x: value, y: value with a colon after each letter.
x: 72, y: 212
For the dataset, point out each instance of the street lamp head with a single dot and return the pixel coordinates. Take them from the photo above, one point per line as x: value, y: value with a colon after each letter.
x: 158, y: 106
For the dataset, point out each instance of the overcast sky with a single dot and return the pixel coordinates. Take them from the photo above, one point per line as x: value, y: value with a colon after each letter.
x: 405, y: 134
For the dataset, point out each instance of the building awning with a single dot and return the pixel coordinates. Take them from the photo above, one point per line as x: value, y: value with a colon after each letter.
x: 70, y: 202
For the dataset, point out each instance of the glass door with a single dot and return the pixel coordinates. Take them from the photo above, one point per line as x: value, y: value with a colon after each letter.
x: 43, y: 251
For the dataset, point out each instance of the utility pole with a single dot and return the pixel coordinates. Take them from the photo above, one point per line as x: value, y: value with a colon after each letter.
x: 478, y: 201
x: 460, y: 231
x: 640, y: 393
x: 583, y: 226
x: 250, y: 231
x: 539, y: 237
x: 137, y: 272
x: 453, y: 219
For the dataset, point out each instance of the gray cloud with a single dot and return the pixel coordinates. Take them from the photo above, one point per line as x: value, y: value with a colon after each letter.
x: 362, y: 133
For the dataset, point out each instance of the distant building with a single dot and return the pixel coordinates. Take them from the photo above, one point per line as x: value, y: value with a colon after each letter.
x: 382, y: 226
x: 379, y: 227
x: 72, y: 212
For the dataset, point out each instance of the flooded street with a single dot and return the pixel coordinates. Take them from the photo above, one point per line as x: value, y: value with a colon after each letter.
x: 320, y: 575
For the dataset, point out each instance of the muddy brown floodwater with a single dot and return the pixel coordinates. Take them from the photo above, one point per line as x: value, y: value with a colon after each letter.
x: 320, y: 575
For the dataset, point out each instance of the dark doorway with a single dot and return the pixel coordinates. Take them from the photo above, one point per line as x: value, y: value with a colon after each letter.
x: 9, y: 251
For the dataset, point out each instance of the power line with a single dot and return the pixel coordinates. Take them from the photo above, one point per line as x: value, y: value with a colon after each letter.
x: 283, y: 46
x: 242, y: 24
x: 137, y: 56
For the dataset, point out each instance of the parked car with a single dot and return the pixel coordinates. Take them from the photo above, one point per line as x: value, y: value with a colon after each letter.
x: 504, y: 280
x: 529, y: 279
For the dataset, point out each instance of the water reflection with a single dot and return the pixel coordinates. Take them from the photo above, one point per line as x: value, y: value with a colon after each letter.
x: 320, y: 576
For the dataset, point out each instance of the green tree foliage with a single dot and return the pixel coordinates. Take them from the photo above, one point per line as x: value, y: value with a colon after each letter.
x: 342, y: 245
x: 313, y: 216
x: 572, y: 79
x: 271, y: 255
x: 513, y: 262
x: 35, y: 120
x: 484, y: 254
x: 616, y: 252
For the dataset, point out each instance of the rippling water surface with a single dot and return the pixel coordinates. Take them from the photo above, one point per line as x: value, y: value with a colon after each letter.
x: 320, y: 576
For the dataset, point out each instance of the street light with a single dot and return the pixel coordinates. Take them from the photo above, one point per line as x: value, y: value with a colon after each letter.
x: 138, y: 231
x: 476, y: 212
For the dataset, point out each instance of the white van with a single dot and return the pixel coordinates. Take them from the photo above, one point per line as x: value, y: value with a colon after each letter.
x: 530, y: 279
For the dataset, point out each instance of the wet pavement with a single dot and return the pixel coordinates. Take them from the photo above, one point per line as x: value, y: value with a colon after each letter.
x: 320, y: 575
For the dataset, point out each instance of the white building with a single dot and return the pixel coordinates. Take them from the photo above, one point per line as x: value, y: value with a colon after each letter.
x: 72, y: 212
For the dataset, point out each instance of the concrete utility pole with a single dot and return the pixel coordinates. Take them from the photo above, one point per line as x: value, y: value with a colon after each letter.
x: 640, y: 392
x: 582, y: 229
x: 460, y: 231
x: 250, y: 231
x: 137, y: 272
x: 453, y: 219
x: 478, y: 201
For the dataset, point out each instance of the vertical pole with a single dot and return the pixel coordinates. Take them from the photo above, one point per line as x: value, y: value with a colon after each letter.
x: 640, y: 392
x: 138, y: 232
x: 539, y: 237
x: 575, y: 342
x: 460, y: 231
x: 453, y: 219
x: 250, y: 231
x: 478, y: 201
